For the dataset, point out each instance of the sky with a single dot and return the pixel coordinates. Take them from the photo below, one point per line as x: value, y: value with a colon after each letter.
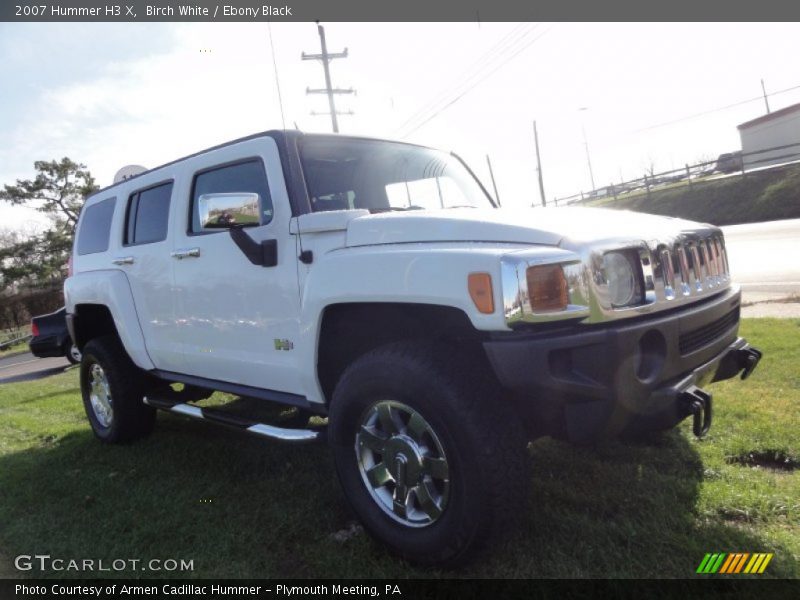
x: 109, y: 95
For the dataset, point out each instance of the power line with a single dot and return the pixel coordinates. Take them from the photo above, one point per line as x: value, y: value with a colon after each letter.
x: 506, y: 49
x: 474, y: 85
x: 466, y: 76
x: 714, y: 110
x: 275, y: 68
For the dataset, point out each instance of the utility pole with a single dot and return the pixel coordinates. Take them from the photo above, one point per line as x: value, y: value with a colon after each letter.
x: 494, y: 183
x: 586, y: 145
x: 326, y: 57
x: 539, y: 164
x: 764, y: 90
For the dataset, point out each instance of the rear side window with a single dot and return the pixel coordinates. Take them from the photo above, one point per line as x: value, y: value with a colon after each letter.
x: 96, y: 227
x: 248, y: 176
x: 148, y: 215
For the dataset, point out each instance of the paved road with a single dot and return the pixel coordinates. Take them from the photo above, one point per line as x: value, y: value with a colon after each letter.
x: 765, y: 257
x: 26, y: 367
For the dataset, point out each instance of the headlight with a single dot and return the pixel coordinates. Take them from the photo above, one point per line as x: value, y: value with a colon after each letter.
x: 622, y: 278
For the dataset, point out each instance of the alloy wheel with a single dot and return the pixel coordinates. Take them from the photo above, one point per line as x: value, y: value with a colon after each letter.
x: 402, y: 463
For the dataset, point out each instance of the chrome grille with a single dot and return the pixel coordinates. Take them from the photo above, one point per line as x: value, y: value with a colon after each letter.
x: 692, y: 267
x: 677, y: 269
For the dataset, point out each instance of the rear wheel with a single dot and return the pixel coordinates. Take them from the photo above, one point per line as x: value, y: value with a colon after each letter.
x: 429, y: 456
x: 112, y: 389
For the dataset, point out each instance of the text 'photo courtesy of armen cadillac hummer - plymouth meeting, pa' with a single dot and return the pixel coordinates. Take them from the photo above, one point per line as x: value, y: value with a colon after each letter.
x: 375, y: 290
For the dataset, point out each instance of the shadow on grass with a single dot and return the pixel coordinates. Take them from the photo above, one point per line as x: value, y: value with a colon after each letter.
x: 242, y: 507
x: 61, y: 392
x: 34, y: 375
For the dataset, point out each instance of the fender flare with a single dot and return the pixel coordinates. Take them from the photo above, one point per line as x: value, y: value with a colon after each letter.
x: 110, y: 288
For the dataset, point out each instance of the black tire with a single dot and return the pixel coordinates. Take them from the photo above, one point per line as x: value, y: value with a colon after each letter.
x: 69, y: 352
x: 131, y: 418
x: 483, y: 441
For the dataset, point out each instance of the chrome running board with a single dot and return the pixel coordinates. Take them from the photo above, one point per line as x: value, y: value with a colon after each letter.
x: 220, y: 417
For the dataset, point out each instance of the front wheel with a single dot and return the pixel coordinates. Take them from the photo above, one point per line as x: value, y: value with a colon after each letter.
x: 113, y: 392
x: 429, y: 456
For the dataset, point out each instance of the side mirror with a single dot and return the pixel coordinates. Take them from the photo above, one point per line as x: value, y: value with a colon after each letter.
x: 224, y: 211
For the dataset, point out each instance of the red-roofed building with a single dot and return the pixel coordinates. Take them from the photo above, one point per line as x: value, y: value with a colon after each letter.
x: 777, y: 129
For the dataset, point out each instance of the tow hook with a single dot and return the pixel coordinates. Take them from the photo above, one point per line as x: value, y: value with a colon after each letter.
x: 748, y: 360
x: 698, y: 404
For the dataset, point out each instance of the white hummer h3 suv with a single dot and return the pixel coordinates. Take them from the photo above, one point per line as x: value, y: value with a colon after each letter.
x: 376, y: 284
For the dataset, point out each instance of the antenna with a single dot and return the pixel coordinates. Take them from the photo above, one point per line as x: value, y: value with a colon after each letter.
x: 275, y: 69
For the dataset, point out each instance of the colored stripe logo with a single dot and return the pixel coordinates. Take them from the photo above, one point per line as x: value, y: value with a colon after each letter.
x: 734, y: 563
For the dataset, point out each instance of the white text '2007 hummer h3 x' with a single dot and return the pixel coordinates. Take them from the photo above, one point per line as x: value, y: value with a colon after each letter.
x: 375, y: 284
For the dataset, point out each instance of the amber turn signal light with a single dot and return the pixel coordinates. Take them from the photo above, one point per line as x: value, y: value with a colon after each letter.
x: 480, y: 290
x: 547, y: 288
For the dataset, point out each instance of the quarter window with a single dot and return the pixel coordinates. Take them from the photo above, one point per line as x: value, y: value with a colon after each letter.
x: 246, y: 176
x: 96, y: 227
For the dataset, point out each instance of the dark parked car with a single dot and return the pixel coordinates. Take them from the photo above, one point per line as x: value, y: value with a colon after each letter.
x: 51, y: 338
x: 730, y: 162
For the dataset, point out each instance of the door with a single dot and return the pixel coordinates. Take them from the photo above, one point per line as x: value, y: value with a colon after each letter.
x: 238, y: 321
x: 144, y: 256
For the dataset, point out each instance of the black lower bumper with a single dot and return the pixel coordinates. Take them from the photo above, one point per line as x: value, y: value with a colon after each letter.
x: 626, y: 377
x: 46, y: 347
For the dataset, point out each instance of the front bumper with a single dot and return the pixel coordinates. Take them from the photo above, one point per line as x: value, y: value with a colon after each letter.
x: 625, y: 377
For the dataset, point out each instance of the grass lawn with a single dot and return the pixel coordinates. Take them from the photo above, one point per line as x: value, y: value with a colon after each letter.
x: 243, y: 507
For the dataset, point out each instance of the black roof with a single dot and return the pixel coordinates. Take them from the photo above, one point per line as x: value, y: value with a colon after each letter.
x: 274, y: 133
x: 270, y: 133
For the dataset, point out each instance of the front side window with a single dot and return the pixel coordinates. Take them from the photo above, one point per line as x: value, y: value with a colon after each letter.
x: 381, y: 176
x: 244, y: 177
x: 148, y: 215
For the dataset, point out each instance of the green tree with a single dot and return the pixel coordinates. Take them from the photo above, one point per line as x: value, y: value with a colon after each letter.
x: 58, y: 190
x: 35, y: 259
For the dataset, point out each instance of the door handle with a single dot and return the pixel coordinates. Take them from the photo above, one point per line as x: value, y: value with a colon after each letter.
x: 123, y: 260
x: 182, y: 253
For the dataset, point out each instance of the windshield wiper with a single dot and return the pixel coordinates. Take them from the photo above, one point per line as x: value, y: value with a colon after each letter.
x: 394, y: 209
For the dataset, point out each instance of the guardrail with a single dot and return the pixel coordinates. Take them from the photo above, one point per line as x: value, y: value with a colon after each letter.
x: 10, y: 337
x: 10, y: 343
x: 728, y: 164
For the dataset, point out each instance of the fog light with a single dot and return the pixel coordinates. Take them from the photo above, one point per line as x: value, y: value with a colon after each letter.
x: 650, y: 356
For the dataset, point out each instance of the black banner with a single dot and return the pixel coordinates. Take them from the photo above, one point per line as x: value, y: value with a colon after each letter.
x: 407, y: 10
x: 112, y: 589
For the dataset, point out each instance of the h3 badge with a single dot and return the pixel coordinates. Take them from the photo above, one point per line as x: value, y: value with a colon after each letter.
x: 283, y: 344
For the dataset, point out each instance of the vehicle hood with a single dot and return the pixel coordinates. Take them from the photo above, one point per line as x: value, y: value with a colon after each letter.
x: 547, y: 226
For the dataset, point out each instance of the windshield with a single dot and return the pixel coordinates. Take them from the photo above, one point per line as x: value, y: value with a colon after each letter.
x: 381, y: 176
